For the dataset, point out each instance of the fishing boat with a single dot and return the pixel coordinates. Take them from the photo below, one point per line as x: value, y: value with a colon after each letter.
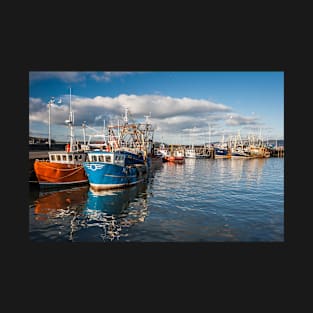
x: 125, y: 162
x: 116, y: 169
x: 259, y: 151
x: 222, y: 150
x: 191, y: 153
x: 163, y: 152
x: 175, y: 155
x: 240, y: 152
x: 63, y: 168
x: 239, y: 148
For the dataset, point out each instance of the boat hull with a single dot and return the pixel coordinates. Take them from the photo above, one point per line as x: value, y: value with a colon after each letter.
x: 175, y: 159
x: 222, y: 153
x: 51, y: 174
x: 104, y: 176
x: 241, y: 155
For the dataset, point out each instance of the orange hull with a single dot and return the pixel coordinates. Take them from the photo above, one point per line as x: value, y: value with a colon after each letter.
x: 58, y: 173
x: 174, y: 159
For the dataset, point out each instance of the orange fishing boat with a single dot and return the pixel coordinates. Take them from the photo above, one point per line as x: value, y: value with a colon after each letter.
x: 172, y: 158
x: 176, y: 156
x: 63, y: 167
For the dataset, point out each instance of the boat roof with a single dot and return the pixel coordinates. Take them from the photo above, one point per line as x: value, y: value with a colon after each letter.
x: 65, y: 152
x: 109, y: 152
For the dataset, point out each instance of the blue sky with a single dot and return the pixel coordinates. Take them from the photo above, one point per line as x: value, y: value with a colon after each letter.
x: 185, y: 106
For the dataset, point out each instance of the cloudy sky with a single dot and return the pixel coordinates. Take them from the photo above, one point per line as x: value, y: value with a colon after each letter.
x: 185, y: 106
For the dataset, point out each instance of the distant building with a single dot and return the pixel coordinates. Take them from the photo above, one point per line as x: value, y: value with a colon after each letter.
x: 38, y: 140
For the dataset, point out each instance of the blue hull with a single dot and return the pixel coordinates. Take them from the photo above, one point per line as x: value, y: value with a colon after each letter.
x: 107, y: 176
x: 221, y: 153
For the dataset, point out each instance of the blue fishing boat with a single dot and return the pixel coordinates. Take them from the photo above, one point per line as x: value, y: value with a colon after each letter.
x: 116, y: 169
x: 222, y: 150
x: 125, y: 161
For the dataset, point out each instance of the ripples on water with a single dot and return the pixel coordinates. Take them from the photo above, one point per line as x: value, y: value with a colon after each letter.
x: 198, y: 201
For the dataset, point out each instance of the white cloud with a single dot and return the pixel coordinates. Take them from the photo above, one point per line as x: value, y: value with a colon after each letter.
x: 107, y: 76
x: 169, y: 115
x: 239, y: 120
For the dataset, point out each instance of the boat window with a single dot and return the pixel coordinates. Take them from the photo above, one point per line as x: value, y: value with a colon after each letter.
x: 52, y: 157
x: 58, y: 157
x: 119, y: 159
x: 94, y: 158
x: 101, y: 158
x: 76, y: 157
x: 70, y: 157
x: 63, y: 157
x: 108, y: 158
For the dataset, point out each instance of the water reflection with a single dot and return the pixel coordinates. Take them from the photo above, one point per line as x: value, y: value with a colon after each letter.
x: 190, y: 164
x: 249, y: 169
x: 80, y: 214
x: 54, y: 204
x: 114, y: 211
x: 200, y: 200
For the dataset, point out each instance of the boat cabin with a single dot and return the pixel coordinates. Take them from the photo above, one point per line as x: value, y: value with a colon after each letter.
x: 67, y: 157
x: 121, y: 158
x: 106, y: 157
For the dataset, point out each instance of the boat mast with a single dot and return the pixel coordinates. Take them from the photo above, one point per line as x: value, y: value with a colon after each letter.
x: 126, y: 117
x: 209, y: 135
x: 49, y: 122
x: 193, y: 137
x: 84, y: 131
x: 49, y: 140
x: 70, y: 122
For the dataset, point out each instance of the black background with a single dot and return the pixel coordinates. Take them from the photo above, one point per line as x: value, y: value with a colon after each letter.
x: 204, y: 39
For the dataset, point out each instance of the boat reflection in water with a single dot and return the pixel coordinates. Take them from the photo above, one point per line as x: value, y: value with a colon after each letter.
x: 54, y: 204
x: 114, y: 211
x: 52, y: 213
x: 80, y: 214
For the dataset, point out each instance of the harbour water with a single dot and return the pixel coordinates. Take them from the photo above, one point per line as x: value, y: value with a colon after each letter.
x: 202, y: 200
